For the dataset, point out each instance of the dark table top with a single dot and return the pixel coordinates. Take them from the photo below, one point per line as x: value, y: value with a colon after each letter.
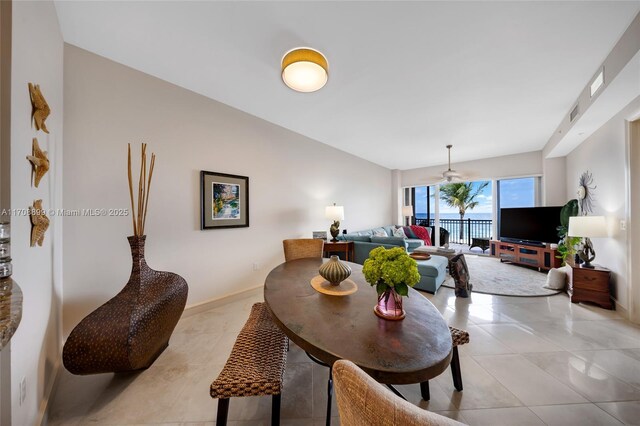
x: 413, y: 350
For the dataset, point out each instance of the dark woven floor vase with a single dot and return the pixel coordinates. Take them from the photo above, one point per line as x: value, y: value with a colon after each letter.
x: 131, y: 330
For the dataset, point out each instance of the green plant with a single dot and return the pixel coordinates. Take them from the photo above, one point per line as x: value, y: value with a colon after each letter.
x: 567, y: 245
x: 391, y: 268
x: 462, y: 197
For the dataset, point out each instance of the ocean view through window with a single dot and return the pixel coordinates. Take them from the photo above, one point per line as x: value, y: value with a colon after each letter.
x: 467, y: 215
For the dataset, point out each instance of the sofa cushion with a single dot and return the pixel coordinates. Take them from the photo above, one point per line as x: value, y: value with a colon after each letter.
x: 399, y: 232
x: 400, y: 242
x: 413, y: 244
x: 355, y: 237
x: 433, y: 267
x: 368, y: 232
x: 380, y: 230
x: 389, y: 229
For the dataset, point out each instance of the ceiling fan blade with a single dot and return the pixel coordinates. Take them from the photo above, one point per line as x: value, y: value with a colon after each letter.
x: 432, y: 180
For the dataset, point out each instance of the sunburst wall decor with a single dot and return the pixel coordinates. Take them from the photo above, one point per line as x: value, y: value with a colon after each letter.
x: 585, y: 193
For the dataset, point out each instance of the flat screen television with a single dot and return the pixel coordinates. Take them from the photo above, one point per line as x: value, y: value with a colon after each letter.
x: 530, y: 225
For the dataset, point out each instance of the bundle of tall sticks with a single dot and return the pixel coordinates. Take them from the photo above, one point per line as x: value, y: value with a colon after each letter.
x: 144, y: 187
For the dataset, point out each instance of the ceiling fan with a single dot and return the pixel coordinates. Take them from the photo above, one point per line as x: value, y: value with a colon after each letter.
x: 450, y: 175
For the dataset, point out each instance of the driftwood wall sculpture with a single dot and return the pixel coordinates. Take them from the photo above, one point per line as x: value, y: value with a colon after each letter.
x: 39, y: 223
x: 39, y: 162
x: 39, y: 107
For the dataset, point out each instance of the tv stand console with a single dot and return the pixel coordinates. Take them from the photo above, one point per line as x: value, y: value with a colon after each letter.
x: 537, y: 257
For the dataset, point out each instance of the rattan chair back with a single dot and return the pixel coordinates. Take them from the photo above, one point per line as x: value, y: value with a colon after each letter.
x: 363, y: 401
x: 302, y: 248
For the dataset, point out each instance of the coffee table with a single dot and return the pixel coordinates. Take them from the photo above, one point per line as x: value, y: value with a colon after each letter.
x: 448, y: 253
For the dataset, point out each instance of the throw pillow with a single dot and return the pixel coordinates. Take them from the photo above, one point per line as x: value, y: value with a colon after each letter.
x: 409, y: 233
x: 399, y: 232
x: 460, y: 273
x: 556, y: 279
x: 422, y: 233
x: 379, y: 233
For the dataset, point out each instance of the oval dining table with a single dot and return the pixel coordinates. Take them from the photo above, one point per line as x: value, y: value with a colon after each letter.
x: 413, y: 350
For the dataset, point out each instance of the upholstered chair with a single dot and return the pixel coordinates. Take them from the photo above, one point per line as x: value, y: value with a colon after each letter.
x: 302, y: 248
x: 364, y: 402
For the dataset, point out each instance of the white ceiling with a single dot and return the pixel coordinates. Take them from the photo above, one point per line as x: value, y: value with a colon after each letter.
x: 406, y: 78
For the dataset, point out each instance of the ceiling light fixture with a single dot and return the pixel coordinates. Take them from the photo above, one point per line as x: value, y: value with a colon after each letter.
x: 304, y: 69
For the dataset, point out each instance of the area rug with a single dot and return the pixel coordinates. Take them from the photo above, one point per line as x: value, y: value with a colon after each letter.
x: 489, y: 275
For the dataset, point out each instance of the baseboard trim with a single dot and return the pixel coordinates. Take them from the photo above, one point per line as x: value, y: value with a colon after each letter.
x: 621, y: 310
x: 49, y: 393
x: 219, y: 301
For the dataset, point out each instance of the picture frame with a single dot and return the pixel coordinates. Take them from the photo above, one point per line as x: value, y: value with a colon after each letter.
x: 224, y: 200
x: 319, y: 235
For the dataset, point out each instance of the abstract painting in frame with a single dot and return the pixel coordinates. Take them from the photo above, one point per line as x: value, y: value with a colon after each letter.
x: 224, y: 200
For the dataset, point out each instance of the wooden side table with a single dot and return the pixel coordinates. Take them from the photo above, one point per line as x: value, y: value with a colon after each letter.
x: 590, y: 285
x: 345, y: 247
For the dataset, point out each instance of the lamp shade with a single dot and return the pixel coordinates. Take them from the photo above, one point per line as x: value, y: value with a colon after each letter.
x: 305, y: 69
x: 407, y: 211
x: 587, y: 226
x: 334, y: 212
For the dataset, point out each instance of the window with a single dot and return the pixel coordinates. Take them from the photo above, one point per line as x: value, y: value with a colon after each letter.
x: 521, y: 192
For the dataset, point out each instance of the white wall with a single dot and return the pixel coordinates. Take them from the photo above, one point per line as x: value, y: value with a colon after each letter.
x: 604, y: 155
x: 292, y: 179
x: 527, y: 164
x: 37, y: 57
x: 554, y: 185
x: 633, y: 226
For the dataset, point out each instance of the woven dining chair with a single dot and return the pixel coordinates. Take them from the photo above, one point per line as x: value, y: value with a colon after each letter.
x: 302, y: 248
x: 363, y: 401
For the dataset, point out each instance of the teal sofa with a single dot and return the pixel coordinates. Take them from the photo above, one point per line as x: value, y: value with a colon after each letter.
x: 432, y: 271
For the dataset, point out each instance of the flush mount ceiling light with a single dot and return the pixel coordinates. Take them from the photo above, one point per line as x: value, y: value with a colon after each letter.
x: 304, y: 69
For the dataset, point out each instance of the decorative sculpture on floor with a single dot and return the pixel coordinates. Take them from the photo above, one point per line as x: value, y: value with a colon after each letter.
x: 131, y: 330
x: 39, y: 162
x: 39, y: 223
x: 39, y: 107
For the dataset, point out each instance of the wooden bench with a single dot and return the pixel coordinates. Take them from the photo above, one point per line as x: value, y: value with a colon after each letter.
x: 458, y: 337
x: 255, y: 366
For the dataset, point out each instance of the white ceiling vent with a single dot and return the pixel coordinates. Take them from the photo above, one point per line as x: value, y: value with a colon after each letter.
x: 597, y: 82
x: 574, y: 114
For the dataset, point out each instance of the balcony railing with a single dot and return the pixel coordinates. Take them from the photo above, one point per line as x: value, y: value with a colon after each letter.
x: 471, y: 228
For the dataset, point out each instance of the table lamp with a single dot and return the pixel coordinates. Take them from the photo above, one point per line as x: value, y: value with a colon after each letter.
x: 335, y: 213
x: 407, y: 211
x: 587, y: 227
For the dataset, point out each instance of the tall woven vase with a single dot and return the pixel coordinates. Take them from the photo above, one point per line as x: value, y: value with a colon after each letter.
x: 132, y: 329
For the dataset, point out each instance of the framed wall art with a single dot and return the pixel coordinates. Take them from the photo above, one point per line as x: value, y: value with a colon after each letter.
x: 319, y: 235
x: 224, y: 200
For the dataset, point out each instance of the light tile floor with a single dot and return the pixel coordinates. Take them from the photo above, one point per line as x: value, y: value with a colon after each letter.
x: 531, y: 361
